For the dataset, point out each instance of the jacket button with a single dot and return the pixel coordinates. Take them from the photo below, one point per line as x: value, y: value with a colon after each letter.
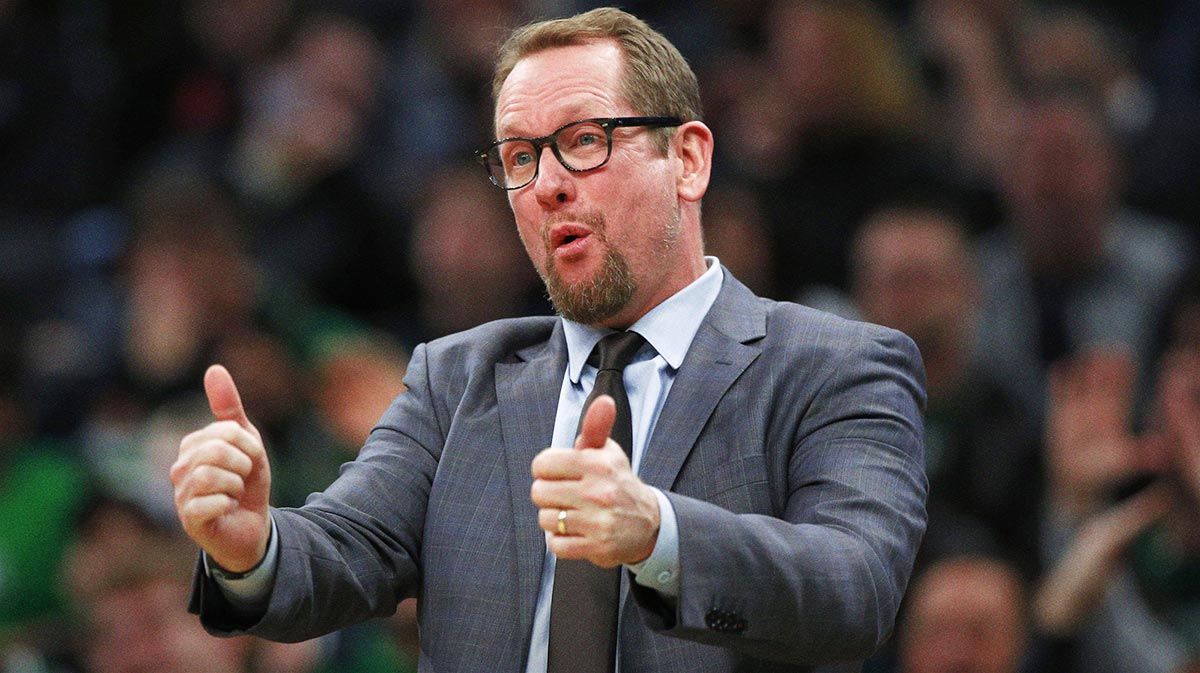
x: 724, y: 621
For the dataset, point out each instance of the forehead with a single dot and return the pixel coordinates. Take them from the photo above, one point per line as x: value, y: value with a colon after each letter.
x: 911, y: 238
x: 559, y: 85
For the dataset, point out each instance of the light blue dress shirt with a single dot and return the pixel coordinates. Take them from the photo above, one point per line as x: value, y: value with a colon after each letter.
x: 669, y: 329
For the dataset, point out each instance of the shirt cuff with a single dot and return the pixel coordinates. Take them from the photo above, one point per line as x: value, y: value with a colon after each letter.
x: 660, y: 571
x: 251, y: 589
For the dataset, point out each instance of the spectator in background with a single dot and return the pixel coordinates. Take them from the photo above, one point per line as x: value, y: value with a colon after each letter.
x: 127, y: 604
x: 296, y: 165
x: 469, y: 266
x: 434, y: 93
x: 351, y: 375
x: 42, y: 486
x: 345, y: 376
x: 127, y: 611
x: 189, y: 66
x: 967, y: 55
x: 184, y: 260
x: 913, y: 270
x: 307, y: 117
x: 191, y: 256
x: 187, y: 262
x: 354, y: 378
x: 964, y: 614
x: 1126, y: 564
x: 1070, y: 49
x: 1073, y: 266
x: 1092, y: 522
x: 972, y: 614
x: 826, y: 128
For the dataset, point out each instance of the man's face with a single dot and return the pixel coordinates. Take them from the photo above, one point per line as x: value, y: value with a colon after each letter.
x: 913, y: 274
x: 964, y: 617
x: 606, y: 241
x: 1061, y: 184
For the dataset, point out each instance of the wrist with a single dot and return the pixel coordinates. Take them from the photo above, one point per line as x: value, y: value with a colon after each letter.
x: 655, y: 515
x: 217, y: 570
x: 239, y: 568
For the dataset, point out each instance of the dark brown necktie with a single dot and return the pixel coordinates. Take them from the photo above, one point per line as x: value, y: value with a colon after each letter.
x: 583, y: 609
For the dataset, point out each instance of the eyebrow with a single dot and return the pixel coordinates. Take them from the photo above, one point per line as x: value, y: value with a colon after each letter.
x: 573, y: 114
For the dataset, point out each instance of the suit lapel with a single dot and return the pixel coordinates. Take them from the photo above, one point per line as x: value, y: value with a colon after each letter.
x: 527, y: 396
x: 717, y: 357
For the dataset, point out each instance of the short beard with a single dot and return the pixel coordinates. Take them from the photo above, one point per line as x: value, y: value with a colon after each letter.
x: 594, y: 300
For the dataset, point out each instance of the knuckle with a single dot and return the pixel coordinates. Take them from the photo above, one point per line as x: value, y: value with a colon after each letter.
x: 537, y: 491
x: 205, y: 477
x: 178, y: 471
x: 211, y: 451
x: 614, y: 460
x: 189, y: 439
x: 188, y: 513
x: 602, y: 534
x: 543, y: 461
x: 604, y: 494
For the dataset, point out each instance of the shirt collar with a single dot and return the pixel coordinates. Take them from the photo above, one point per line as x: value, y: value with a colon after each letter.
x: 669, y: 327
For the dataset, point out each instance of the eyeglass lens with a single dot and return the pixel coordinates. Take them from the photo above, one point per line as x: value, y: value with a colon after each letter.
x: 580, y: 147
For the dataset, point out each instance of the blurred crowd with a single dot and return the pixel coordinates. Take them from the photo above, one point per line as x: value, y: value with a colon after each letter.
x: 287, y: 187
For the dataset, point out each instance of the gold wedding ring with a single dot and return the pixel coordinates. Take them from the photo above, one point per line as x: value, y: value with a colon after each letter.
x: 562, y: 522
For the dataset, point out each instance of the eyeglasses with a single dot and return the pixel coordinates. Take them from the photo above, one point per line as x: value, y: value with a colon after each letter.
x: 579, y: 146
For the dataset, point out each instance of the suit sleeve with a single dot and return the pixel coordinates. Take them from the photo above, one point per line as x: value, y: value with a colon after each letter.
x: 821, y: 579
x: 352, y: 552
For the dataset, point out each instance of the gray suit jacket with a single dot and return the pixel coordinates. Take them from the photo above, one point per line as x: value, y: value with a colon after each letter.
x: 790, y: 446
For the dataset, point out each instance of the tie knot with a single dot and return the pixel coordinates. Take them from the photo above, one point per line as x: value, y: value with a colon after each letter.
x: 616, y: 350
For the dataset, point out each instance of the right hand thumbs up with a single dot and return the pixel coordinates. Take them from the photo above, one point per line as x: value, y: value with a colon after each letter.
x: 223, y: 480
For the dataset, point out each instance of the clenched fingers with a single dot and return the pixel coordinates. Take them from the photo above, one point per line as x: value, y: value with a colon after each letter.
x: 557, y: 463
x: 228, y: 432
x: 214, y: 461
x: 205, y: 508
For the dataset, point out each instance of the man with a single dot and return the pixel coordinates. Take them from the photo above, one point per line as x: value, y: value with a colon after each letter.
x: 768, y: 516
x: 1073, y: 267
x: 965, y: 614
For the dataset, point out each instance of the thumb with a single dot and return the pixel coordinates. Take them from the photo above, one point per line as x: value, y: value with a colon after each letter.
x: 597, y: 423
x: 223, y: 397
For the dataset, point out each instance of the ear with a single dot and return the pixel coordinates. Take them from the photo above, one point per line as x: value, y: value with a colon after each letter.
x: 693, y: 149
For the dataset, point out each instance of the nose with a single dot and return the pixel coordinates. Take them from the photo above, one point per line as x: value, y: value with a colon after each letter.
x: 554, y: 184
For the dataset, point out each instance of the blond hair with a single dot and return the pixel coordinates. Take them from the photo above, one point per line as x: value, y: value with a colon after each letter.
x: 656, y: 79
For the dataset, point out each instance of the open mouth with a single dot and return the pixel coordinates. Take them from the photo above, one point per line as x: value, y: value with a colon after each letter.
x: 565, y: 234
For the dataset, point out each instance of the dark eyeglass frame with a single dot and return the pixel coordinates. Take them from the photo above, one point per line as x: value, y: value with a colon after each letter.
x: 606, y: 123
